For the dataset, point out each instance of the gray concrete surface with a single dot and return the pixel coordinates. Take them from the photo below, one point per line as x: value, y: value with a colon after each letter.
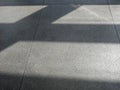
x: 63, y: 45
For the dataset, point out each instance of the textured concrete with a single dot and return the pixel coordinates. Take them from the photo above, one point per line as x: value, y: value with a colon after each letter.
x: 116, y: 17
x: 78, y: 44
x: 65, y: 45
x: 17, y: 24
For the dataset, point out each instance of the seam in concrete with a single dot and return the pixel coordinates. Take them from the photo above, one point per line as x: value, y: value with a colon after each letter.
x: 35, y: 34
x: 116, y: 30
x: 29, y: 53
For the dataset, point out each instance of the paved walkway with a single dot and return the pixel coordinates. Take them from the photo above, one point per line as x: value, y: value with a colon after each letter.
x: 61, y: 45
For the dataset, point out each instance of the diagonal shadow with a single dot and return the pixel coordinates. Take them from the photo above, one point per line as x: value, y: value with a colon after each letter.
x: 26, y: 29
x: 23, y: 30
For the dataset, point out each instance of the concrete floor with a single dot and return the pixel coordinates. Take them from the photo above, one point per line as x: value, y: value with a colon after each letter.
x: 59, y: 45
